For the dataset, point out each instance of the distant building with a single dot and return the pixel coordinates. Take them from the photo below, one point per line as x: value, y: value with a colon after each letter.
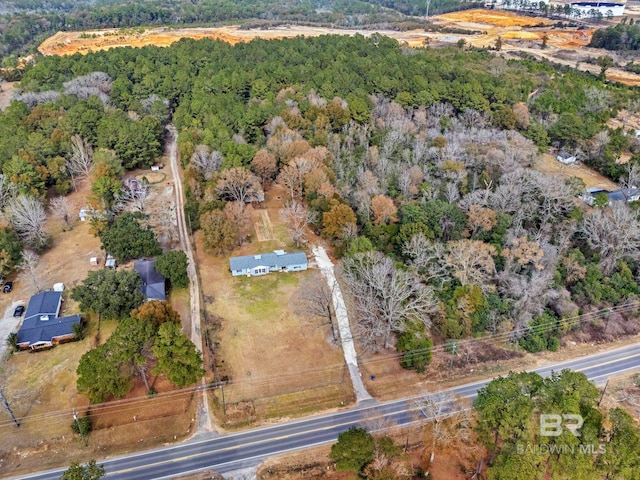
x: 110, y: 262
x: 41, y: 327
x: 621, y: 195
x: 87, y: 213
x: 566, y: 158
x: 587, y: 9
x: 153, y: 283
x: 276, y: 261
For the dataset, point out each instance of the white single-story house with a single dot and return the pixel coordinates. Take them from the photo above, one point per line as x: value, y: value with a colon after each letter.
x: 41, y: 327
x: 276, y: 261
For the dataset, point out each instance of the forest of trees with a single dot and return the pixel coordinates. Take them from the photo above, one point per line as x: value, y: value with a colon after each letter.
x: 624, y: 36
x: 418, y: 172
x: 501, y: 437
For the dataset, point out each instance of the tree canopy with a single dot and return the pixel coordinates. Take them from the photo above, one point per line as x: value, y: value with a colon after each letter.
x: 109, y: 293
x: 126, y: 239
x: 173, y: 265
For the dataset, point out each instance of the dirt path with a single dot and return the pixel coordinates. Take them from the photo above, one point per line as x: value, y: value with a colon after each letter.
x: 204, y: 417
x: 262, y: 225
x: 346, y: 338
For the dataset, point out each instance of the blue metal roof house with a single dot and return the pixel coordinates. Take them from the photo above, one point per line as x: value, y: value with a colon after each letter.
x: 41, y: 327
x: 153, y: 283
x: 276, y: 261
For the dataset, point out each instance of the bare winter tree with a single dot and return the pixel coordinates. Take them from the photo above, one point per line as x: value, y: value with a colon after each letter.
x: 317, y: 300
x: 471, y: 262
x: 238, y: 184
x: 29, y: 265
x: 632, y: 178
x: 206, y: 161
x: 31, y: 99
x: 385, y: 298
x: 27, y: 216
x: 95, y: 83
x: 603, y: 229
x: 293, y: 175
x: 298, y: 217
x: 8, y: 191
x: 530, y: 289
x: 240, y: 214
x: 61, y: 207
x: 427, y: 258
x: 133, y: 193
x: 167, y: 225
x: 80, y: 162
x: 446, y: 418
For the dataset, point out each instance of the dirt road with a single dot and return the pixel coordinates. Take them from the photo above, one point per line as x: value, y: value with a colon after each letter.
x: 204, y: 420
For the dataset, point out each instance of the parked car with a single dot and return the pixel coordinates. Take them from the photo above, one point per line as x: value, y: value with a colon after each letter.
x: 7, y: 287
x: 18, y: 311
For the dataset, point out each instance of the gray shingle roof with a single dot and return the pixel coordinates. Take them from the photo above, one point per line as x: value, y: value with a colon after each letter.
x: 35, y: 330
x: 270, y: 259
x: 152, y: 281
x: 43, y: 303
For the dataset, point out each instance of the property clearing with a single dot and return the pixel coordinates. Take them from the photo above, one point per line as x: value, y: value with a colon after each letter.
x: 279, y: 360
x: 6, y: 93
x: 548, y: 164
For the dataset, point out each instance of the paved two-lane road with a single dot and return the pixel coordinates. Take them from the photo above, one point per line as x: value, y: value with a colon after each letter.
x: 233, y: 452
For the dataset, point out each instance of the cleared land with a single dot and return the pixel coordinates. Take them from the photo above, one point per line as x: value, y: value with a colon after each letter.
x: 548, y: 164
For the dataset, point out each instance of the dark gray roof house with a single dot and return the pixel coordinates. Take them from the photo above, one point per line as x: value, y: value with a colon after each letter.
x: 621, y: 195
x: 41, y: 326
x: 153, y: 283
x: 276, y: 261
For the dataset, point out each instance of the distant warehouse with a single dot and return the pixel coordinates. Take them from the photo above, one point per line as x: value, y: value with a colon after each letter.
x: 587, y: 9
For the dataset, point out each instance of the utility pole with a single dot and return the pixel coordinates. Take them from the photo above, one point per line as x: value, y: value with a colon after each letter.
x: 603, y: 392
x: 79, y: 427
x: 224, y: 406
x: 426, y: 16
x: 7, y: 407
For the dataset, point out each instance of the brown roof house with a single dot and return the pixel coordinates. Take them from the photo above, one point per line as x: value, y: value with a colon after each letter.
x: 42, y: 327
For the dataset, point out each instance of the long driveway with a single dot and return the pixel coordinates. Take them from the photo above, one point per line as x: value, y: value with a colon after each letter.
x: 229, y: 453
x: 346, y: 338
x: 204, y: 415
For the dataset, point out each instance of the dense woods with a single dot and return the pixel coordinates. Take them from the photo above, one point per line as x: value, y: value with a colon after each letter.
x: 624, y: 36
x: 418, y: 172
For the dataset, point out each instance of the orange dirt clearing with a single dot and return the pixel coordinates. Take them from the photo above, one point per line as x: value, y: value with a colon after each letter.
x: 498, y: 18
x: 68, y: 43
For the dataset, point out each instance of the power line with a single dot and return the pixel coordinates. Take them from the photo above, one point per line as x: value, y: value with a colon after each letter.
x: 123, y: 406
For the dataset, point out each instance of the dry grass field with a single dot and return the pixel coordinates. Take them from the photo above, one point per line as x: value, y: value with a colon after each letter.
x: 548, y: 164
